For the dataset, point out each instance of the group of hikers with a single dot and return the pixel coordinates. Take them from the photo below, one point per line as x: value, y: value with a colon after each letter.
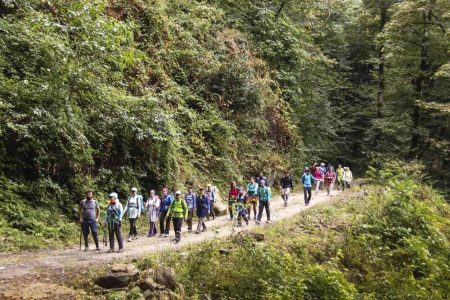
x: 167, y: 208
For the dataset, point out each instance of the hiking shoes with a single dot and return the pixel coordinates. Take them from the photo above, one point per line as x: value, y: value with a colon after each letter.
x: 111, y: 251
x: 120, y: 251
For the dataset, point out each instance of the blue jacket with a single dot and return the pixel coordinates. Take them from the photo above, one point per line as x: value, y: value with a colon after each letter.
x: 202, y: 206
x: 165, y: 203
x: 191, y: 200
x: 307, y: 180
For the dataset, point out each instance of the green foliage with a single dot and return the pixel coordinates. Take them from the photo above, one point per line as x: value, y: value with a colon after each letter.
x: 393, y: 243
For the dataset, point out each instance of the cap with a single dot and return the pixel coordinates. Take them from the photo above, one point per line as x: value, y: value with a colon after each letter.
x: 134, y: 189
x: 322, y: 164
x: 177, y: 193
x: 152, y: 192
x: 113, y: 195
x: 201, y: 188
x: 209, y: 185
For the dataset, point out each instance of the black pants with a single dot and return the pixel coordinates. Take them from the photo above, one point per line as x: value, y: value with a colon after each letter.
x: 90, y: 225
x: 307, y: 192
x: 133, y: 229
x: 164, y: 225
x: 231, y: 208
x: 212, y: 212
x: 114, y: 229
x: 262, y: 205
x: 177, y: 223
x: 189, y: 218
x: 152, y: 230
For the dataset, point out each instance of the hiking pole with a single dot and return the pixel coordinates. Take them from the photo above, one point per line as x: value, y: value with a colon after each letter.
x: 81, y: 233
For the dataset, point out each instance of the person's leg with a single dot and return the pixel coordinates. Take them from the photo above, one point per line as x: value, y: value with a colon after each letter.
x: 162, y: 220
x: 111, y: 235
x: 213, y: 213
x: 260, y: 211
x: 288, y: 191
x: 305, y: 195
x: 94, y: 231
x: 254, y: 203
x: 267, y: 205
x: 189, y: 218
x: 308, y: 190
x: 167, y: 230
x: 85, y: 229
x: 130, y: 231
x: 177, y: 223
x: 203, y: 224
x: 230, y: 208
x: 199, y: 225
x: 118, y: 232
x: 328, y: 188
x: 135, y: 228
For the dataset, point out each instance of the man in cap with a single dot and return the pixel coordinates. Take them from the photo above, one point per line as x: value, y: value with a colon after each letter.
x: 211, y: 199
x: 89, y: 211
x: 133, y: 210
x: 113, y: 218
x: 202, y: 207
x: 191, y: 200
x: 178, y: 211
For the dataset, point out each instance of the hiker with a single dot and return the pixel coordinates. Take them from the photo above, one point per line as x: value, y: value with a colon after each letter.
x: 286, y: 186
x: 190, y: 199
x: 252, y: 197
x: 261, y: 178
x: 232, y: 195
x: 241, y: 206
x: 211, y: 200
x: 322, y: 168
x: 340, y: 177
x: 113, y: 218
x: 318, y: 179
x: 307, y: 180
x: 89, y: 211
x: 152, y: 207
x: 177, y: 211
x: 133, y: 212
x: 164, y: 222
x: 330, y: 177
x: 264, y: 202
x: 347, y: 177
x: 202, y: 210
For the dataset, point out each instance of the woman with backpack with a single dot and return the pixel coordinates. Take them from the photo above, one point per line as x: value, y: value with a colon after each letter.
x: 152, y: 207
x: 113, y: 218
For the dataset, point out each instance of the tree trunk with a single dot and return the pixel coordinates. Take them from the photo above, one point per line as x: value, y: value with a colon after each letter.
x: 422, y: 83
x: 380, y: 91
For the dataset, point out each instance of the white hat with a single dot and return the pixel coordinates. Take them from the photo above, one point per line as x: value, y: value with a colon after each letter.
x: 177, y: 193
x: 113, y: 195
x: 134, y: 189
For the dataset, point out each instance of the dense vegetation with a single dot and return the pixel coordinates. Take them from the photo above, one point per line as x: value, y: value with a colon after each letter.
x: 391, y: 244
x: 108, y: 94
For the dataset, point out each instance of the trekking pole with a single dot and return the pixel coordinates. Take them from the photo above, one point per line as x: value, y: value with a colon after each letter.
x: 81, y: 233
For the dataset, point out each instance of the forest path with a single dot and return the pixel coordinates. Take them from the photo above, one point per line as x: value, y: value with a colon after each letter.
x: 45, y: 262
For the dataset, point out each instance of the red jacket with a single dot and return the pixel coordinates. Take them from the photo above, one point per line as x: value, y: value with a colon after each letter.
x: 329, y: 177
x: 234, y: 192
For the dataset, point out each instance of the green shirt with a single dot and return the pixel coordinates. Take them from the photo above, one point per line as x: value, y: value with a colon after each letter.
x: 178, y: 208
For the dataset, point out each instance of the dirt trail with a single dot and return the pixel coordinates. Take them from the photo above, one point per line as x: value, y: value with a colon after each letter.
x: 39, y: 262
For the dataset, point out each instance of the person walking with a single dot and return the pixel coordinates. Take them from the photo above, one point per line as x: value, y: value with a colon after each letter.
x: 241, y: 207
x: 211, y: 200
x: 330, y: 177
x: 307, y: 180
x: 164, y: 222
x: 261, y: 178
x: 133, y: 212
x: 89, y: 212
x: 252, y: 197
x: 191, y: 199
x: 202, y: 210
x: 340, y: 177
x: 232, y: 195
x: 286, y: 186
x: 318, y: 179
x: 152, y: 207
x: 347, y: 177
x: 113, y: 218
x: 264, y: 202
x: 178, y: 211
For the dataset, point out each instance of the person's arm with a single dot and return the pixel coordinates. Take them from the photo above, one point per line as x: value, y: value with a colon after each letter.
x: 97, y: 211
x: 80, y: 209
x: 126, y: 206
x: 185, y: 209
x: 291, y: 183
x: 195, y: 201
x: 121, y: 211
x: 169, y: 210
